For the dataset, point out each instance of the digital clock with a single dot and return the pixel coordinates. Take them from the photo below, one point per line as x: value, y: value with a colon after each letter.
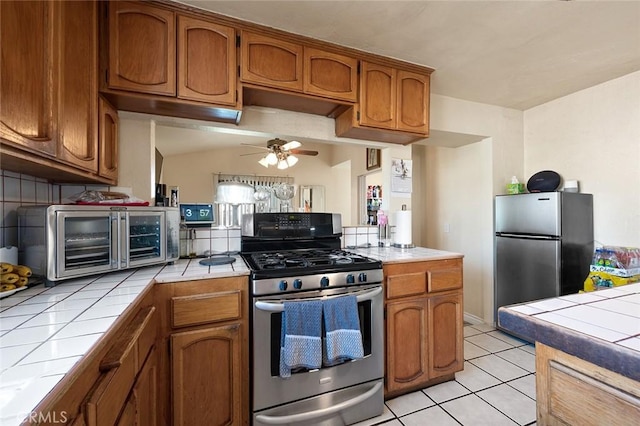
x: 197, y: 213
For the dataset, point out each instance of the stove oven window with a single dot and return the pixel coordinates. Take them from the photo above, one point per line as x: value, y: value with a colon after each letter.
x: 364, y: 313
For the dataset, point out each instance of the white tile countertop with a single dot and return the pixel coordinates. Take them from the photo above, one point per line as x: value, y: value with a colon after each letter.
x: 400, y: 255
x: 44, y: 331
x: 602, y: 327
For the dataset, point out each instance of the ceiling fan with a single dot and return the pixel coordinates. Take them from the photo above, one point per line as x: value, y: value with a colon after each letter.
x: 281, y: 153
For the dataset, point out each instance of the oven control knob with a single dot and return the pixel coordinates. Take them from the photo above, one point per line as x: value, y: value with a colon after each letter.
x: 362, y: 277
x: 282, y: 285
x: 351, y: 279
x: 324, y: 282
x: 297, y: 283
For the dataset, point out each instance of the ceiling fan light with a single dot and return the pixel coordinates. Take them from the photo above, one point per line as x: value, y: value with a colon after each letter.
x: 263, y: 162
x: 292, y: 160
x: 291, y: 145
x: 282, y: 164
x: 272, y: 159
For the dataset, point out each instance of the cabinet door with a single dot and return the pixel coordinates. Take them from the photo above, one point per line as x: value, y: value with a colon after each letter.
x: 142, y: 48
x: 445, y: 334
x: 145, y: 392
x: 108, y: 140
x: 330, y: 75
x: 206, y: 61
x: 271, y: 62
x: 27, y: 107
x: 407, y: 354
x: 412, y: 102
x: 377, y: 96
x: 206, y: 370
x: 78, y: 84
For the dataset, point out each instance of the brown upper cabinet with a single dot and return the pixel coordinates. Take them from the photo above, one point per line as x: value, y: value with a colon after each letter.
x: 390, y: 99
x: 28, y: 98
x: 331, y: 75
x: 49, y: 111
x: 279, y: 64
x: 186, y: 66
x: 142, y: 48
x: 206, y: 61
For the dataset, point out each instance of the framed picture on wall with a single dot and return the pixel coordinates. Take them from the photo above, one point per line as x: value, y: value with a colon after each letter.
x: 373, y: 158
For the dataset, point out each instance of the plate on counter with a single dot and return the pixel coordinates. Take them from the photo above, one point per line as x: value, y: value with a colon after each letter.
x: 10, y: 292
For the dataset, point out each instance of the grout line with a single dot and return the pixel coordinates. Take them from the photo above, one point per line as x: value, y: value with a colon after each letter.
x: 472, y: 392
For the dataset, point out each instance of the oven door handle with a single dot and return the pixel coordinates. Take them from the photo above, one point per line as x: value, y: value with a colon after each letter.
x: 310, y: 415
x: 279, y: 307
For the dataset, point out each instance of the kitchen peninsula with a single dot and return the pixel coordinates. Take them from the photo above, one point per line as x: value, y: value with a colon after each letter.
x: 55, y: 340
x: 587, y: 354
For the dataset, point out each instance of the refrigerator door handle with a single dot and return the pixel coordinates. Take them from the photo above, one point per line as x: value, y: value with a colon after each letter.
x: 526, y: 236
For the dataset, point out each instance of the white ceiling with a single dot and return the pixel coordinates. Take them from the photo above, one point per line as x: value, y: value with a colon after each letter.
x: 515, y: 54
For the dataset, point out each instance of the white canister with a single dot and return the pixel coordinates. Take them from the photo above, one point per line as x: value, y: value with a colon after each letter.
x: 9, y: 255
x: 571, y: 186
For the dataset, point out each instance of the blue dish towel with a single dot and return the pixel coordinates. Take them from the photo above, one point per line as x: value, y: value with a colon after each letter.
x: 343, y: 340
x: 301, y: 336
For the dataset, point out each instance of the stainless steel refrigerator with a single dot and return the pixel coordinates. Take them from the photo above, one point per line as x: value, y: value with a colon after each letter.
x: 543, y: 245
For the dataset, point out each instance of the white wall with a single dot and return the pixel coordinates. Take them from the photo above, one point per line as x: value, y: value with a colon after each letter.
x: 194, y: 174
x: 136, y: 157
x: 594, y: 136
x: 459, y: 187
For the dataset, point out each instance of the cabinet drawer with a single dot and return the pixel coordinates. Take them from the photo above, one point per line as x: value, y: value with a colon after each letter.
x: 406, y: 284
x: 205, y: 308
x: 444, y: 279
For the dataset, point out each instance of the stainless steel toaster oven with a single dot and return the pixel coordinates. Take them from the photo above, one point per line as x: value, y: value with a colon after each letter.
x: 67, y: 241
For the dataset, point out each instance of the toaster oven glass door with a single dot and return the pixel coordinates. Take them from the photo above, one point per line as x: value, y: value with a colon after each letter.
x: 144, y: 241
x: 86, y: 243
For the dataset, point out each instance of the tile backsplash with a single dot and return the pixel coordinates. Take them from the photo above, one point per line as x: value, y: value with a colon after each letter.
x: 23, y: 190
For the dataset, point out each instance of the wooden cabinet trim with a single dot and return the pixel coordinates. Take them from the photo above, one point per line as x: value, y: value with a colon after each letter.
x: 228, y: 340
x: 108, y: 140
x: 108, y: 398
x: 207, y: 71
x: 446, y: 340
x: 444, y: 279
x: 565, y: 382
x: 413, y: 360
x: 142, y: 328
x: 408, y: 284
x: 205, y: 308
x: 330, y: 75
x: 125, y: 68
x: 270, y: 61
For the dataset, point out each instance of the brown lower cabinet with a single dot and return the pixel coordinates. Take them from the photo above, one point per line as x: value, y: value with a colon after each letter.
x: 180, y: 355
x: 204, y: 362
x: 572, y: 391
x: 424, y: 324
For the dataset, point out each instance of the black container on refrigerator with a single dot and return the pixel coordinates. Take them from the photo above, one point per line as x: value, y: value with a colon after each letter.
x: 543, y: 245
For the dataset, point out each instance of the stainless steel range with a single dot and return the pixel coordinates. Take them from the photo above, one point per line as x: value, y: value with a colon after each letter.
x: 297, y: 257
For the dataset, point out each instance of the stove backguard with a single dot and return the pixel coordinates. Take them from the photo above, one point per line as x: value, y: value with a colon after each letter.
x: 290, y: 231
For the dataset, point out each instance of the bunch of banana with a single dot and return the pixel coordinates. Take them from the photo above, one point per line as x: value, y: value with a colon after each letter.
x: 13, y: 276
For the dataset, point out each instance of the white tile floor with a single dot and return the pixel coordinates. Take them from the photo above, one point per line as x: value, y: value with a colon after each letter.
x: 497, y: 387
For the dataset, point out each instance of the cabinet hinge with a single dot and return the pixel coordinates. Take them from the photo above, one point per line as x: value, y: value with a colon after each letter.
x: 358, y: 116
x: 237, y: 41
x: 358, y: 68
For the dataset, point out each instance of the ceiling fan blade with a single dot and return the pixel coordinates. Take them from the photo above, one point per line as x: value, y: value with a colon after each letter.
x: 255, y: 146
x: 302, y: 152
x: 252, y: 153
x: 291, y: 145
